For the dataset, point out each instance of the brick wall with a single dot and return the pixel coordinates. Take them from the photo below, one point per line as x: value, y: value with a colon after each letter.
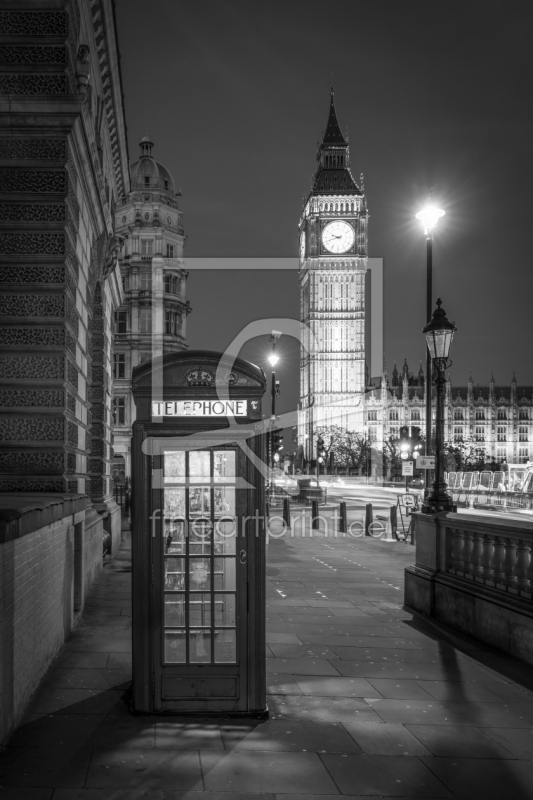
x: 39, y: 584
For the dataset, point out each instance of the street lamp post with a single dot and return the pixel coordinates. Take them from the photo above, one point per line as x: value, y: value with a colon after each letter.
x: 429, y: 216
x: 439, y: 334
x: 273, y: 359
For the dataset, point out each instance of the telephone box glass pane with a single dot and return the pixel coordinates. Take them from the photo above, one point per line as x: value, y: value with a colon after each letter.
x: 224, y: 466
x: 200, y: 646
x: 174, y: 503
x: 199, y: 554
x: 225, y: 536
x: 225, y: 646
x: 200, y: 610
x: 225, y: 574
x: 200, y: 501
x: 174, y: 535
x: 224, y: 610
x: 174, y: 610
x: 174, y: 574
x: 224, y: 501
x: 174, y: 466
x: 199, y: 573
x: 199, y: 466
x: 175, y: 647
x: 200, y: 533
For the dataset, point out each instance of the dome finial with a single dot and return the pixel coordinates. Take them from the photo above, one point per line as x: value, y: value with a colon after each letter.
x: 146, y: 145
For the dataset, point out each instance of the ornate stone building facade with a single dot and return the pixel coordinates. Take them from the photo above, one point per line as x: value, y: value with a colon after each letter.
x: 333, y: 264
x: 498, y: 418
x: 152, y: 319
x: 63, y: 168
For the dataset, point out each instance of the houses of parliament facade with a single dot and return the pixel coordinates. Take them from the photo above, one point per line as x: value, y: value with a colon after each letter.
x: 498, y: 418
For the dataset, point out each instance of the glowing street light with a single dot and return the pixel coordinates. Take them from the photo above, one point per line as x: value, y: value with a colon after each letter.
x: 273, y: 359
x: 429, y: 216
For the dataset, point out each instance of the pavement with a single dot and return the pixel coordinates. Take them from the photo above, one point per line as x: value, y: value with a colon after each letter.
x: 366, y: 700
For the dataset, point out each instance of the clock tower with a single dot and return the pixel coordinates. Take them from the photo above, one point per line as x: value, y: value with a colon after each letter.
x: 333, y: 263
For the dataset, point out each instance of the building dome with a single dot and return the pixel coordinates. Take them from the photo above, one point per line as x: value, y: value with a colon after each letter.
x: 147, y: 173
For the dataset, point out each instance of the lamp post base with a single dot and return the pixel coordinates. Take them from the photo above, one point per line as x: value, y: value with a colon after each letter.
x: 437, y: 499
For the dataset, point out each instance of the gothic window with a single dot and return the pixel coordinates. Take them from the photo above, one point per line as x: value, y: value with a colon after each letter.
x: 147, y: 247
x: 394, y: 433
x: 501, y: 434
x: 523, y: 414
x: 336, y: 206
x: 523, y: 454
x: 522, y: 434
x: 121, y: 318
x: 480, y: 413
x: 326, y: 207
x: 415, y: 415
x: 170, y: 251
x: 146, y: 281
x: 372, y: 434
x: 479, y: 434
x: 145, y: 320
x: 500, y: 452
x: 119, y: 410
x: 119, y: 365
x: 458, y: 434
x: 502, y: 413
x: 372, y: 416
x: 393, y: 416
x: 458, y: 414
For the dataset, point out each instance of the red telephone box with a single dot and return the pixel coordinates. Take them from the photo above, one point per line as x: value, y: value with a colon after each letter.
x: 198, y: 543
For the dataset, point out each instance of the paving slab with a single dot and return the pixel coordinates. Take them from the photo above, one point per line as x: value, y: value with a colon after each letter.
x: 387, y: 776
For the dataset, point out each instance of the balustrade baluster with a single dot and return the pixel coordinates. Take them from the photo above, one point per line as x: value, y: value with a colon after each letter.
x: 476, y: 553
x: 509, y: 562
x: 457, y: 549
x: 523, y: 558
x: 486, y: 558
x: 497, y: 559
x: 467, y: 552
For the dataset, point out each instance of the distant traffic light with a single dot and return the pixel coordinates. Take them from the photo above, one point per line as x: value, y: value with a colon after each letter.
x: 276, y: 439
x: 320, y: 452
x: 416, y: 441
x: 405, y: 443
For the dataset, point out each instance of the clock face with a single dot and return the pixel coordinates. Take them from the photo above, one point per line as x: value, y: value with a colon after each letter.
x: 302, y: 245
x: 338, y: 237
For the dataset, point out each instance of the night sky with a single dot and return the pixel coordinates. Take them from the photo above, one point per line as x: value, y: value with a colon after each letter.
x: 235, y: 95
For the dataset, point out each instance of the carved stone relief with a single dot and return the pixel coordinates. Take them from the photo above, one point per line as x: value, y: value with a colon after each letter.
x: 33, y: 84
x: 32, y: 367
x: 33, y: 23
x: 32, y: 305
x: 33, y: 274
x: 33, y: 54
x: 34, y: 149
x: 33, y: 337
x: 33, y: 180
x: 31, y: 462
x: 32, y: 398
x: 35, y: 244
x: 32, y: 212
x: 23, y: 429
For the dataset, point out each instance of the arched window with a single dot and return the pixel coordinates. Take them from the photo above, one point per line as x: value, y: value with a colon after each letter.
x: 458, y: 414
x: 522, y: 414
x: 372, y: 416
x: 502, y: 413
x: 522, y: 434
x: 394, y: 433
x: 415, y: 415
x: 393, y: 416
x: 342, y: 207
x: 336, y: 206
x: 480, y: 436
x: 458, y: 434
x: 480, y: 413
x: 501, y: 434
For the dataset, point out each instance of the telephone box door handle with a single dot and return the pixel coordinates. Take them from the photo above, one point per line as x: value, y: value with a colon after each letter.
x: 243, y: 556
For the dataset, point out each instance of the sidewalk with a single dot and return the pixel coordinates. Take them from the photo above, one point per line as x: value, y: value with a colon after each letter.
x: 365, y: 700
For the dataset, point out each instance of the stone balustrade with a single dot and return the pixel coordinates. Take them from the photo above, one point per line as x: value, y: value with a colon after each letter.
x: 475, y: 572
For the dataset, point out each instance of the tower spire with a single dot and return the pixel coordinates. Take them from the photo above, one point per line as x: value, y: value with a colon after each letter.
x: 333, y: 134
